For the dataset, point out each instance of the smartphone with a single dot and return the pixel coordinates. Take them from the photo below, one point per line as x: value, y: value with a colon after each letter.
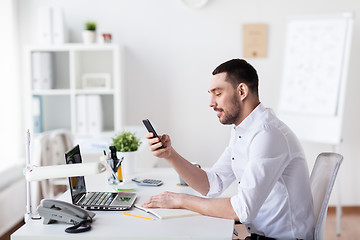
x: 150, y: 128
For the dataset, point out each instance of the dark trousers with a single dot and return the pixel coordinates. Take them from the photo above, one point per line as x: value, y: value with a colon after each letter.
x: 258, y: 237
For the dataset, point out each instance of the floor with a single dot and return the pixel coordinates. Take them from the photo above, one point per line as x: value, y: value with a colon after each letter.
x: 350, y: 225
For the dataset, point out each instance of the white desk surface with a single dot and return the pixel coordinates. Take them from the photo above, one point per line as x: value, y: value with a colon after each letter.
x: 110, y: 225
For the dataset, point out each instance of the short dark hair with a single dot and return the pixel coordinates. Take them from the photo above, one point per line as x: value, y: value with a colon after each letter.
x: 239, y: 71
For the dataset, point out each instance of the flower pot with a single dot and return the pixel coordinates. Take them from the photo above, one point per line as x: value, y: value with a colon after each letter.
x: 128, y: 165
x: 89, y: 36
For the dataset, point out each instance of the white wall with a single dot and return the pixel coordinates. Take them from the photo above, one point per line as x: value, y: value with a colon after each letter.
x: 171, y: 52
x: 10, y: 113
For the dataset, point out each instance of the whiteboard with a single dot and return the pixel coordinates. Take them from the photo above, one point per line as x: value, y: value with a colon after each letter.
x: 314, y: 76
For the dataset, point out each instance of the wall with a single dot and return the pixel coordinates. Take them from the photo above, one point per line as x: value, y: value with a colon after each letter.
x: 13, y: 210
x: 171, y: 51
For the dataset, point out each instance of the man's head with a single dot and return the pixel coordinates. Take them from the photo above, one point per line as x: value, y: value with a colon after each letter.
x: 234, y: 91
x: 239, y: 71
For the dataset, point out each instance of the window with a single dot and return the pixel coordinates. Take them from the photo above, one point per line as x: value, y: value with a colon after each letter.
x: 11, y: 137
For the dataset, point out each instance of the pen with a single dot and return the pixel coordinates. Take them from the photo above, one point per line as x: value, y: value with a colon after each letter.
x: 119, y: 169
x: 119, y: 163
x: 133, y: 215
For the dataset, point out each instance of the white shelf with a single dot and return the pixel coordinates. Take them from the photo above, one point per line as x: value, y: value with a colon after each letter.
x: 51, y: 92
x: 72, y: 47
x: 58, y: 105
x: 95, y: 91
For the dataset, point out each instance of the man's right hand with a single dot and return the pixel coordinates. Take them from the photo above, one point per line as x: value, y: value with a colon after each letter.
x: 156, y: 143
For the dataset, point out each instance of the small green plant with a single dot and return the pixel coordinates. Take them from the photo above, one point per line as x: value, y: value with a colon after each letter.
x: 126, y: 142
x: 90, y: 26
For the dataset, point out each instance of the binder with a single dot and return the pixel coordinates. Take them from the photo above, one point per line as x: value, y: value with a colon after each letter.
x: 89, y: 114
x: 44, y: 23
x: 59, y: 34
x: 81, y: 114
x: 95, y: 114
x: 37, y: 114
x: 52, y: 29
x: 42, y: 70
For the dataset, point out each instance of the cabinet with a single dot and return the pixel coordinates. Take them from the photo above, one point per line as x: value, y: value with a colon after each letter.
x: 74, y: 86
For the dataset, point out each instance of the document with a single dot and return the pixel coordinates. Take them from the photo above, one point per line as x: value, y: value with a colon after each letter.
x: 163, y: 213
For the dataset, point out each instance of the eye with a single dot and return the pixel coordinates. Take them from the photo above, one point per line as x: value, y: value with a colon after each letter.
x: 217, y: 94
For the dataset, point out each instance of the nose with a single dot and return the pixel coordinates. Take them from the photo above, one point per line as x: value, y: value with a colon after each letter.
x: 212, y: 103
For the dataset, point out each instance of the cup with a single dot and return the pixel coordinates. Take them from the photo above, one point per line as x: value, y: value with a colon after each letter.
x: 182, y: 182
x: 115, y: 176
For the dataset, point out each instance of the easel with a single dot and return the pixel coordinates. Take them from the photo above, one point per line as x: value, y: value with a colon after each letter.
x: 317, y: 116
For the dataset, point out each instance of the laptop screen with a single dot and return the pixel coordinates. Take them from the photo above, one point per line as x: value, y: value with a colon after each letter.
x: 77, y: 184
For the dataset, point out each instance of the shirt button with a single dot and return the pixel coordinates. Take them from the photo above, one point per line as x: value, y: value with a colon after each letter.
x: 239, y: 136
x: 233, y: 159
x: 239, y: 182
x: 248, y: 228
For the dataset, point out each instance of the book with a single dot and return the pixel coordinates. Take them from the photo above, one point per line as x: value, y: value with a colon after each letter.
x: 164, y: 213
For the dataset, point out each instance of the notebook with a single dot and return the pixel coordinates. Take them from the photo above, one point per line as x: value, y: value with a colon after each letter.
x: 94, y: 200
x: 164, y: 213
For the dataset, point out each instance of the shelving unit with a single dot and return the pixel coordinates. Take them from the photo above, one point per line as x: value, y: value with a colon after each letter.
x: 58, y: 106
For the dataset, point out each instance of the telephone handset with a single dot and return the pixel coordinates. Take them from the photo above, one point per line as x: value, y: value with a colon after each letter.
x: 55, y: 210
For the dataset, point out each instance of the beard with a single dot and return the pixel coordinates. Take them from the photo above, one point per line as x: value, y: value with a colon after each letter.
x: 233, y: 113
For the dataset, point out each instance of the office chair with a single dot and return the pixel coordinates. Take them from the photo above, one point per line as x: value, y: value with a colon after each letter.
x: 322, y: 181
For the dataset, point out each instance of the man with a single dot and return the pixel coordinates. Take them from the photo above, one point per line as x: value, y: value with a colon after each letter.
x: 264, y: 157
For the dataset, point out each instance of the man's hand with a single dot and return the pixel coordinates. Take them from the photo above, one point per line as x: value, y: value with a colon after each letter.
x: 164, y: 200
x: 156, y: 143
x: 215, y: 207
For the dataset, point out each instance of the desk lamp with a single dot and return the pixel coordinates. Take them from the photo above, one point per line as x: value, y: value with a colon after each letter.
x: 34, y: 173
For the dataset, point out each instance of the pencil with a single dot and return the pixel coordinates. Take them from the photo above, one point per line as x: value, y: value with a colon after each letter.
x: 133, y: 215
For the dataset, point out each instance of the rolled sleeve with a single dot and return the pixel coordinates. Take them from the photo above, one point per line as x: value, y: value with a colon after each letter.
x: 216, y: 185
x: 221, y: 175
x: 240, y: 209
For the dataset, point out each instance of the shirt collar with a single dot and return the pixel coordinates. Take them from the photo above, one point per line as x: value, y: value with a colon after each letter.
x: 250, y: 120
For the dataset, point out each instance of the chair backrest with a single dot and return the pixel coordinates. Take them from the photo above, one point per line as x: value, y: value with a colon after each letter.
x: 48, y: 148
x: 322, y: 181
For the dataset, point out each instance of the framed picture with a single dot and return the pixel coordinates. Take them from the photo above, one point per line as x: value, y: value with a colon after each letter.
x: 96, y: 80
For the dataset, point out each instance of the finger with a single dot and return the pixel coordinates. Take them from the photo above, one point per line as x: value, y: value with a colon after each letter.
x: 148, y: 201
x: 156, y: 147
x: 149, y: 135
x: 164, y: 138
x: 153, y: 141
x: 151, y: 203
x: 147, y: 205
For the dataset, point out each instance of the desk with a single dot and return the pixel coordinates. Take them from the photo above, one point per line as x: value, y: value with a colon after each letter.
x: 114, y: 225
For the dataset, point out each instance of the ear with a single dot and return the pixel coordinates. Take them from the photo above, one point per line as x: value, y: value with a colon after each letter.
x: 243, y: 91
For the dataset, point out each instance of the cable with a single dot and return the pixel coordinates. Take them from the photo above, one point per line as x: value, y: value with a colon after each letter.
x: 82, y: 226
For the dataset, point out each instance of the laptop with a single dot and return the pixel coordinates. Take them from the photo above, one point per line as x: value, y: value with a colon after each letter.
x: 94, y: 200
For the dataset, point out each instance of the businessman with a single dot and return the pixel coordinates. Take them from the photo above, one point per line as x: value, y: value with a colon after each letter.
x: 264, y: 157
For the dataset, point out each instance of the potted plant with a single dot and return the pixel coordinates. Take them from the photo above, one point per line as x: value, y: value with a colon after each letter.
x: 127, y: 144
x: 89, y: 33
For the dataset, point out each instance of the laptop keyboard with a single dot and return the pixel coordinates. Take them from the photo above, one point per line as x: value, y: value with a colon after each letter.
x: 98, y: 198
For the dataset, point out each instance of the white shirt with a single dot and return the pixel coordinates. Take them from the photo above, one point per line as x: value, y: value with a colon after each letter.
x: 266, y: 160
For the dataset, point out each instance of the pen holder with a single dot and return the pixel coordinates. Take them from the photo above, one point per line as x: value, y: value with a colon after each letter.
x: 115, y: 176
